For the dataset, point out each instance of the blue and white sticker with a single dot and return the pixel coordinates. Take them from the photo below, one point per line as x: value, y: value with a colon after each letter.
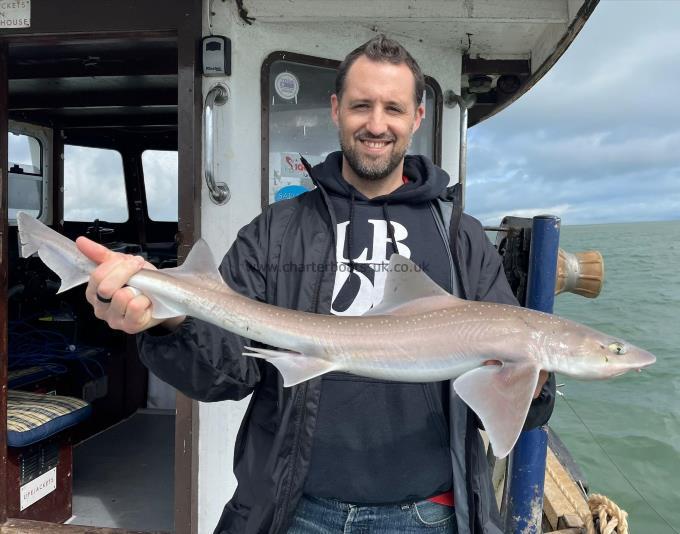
x: 289, y: 191
x: 287, y: 85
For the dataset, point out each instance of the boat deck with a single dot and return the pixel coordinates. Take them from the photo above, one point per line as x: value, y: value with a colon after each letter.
x: 123, y: 477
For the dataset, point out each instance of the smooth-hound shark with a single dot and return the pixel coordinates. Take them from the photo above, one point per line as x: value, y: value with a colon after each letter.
x: 418, y: 333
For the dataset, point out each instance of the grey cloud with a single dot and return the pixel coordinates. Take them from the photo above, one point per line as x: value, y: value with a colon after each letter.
x: 160, y: 181
x: 94, y: 185
x: 597, y: 139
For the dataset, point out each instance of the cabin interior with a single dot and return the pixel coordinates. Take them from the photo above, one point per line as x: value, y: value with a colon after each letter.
x: 91, y: 123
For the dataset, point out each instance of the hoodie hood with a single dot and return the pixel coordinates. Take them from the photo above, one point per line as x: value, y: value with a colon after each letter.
x: 426, y: 181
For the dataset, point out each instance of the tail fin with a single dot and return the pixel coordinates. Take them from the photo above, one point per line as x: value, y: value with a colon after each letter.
x: 29, y: 230
x: 59, y: 253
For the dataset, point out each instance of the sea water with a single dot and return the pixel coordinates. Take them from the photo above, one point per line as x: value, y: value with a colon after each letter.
x: 634, y: 418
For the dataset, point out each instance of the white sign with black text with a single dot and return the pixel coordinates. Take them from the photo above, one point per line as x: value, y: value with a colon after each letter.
x: 15, y: 14
x: 38, y: 488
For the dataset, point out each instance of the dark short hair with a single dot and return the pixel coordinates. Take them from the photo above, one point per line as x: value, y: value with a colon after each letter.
x: 381, y: 48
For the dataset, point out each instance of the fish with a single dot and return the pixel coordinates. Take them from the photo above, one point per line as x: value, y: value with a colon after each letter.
x: 417, y: 333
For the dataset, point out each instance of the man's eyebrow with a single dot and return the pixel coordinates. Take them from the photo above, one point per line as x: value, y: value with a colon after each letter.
x: 354, y: 101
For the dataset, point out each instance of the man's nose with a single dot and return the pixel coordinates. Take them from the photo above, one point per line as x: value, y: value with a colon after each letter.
x: 377, y: 125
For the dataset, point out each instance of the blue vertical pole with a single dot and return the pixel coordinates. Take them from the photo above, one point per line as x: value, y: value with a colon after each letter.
x: 527, y: 465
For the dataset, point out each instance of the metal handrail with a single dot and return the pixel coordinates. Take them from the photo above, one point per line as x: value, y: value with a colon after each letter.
x: 465, y: 102
x: 219, y: 191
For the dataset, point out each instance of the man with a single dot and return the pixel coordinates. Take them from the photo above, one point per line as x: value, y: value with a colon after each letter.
x: 339, y: 452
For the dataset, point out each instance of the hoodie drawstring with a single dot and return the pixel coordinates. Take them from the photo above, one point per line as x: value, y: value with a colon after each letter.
x: 390, y: 228
x: 350, y: 234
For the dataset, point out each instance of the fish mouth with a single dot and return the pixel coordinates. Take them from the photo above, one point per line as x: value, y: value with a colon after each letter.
x: 647, y: 360
x: 639, y: 368
x: 641, y: 362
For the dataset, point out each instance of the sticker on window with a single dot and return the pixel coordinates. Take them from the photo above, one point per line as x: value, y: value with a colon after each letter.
x: 287, y: 85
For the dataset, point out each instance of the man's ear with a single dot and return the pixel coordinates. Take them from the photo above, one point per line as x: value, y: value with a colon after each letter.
x: 420, y: 115
x: 335, y: 104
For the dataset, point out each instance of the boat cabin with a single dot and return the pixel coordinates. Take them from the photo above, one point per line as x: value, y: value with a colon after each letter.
x: 145, y: 125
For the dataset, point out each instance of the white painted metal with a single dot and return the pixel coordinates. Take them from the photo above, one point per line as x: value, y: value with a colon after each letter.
x: 498, y: 28
x: 388, y: 10
x: 434, y: 31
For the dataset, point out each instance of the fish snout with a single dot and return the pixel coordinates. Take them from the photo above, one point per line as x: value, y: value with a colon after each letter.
x: 637, y: 360
x: 645, y: 359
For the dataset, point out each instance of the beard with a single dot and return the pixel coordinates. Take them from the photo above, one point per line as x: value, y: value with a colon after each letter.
x: 372, y: 169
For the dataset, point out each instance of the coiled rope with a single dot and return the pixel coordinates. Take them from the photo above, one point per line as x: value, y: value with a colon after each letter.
x: 611, y: 517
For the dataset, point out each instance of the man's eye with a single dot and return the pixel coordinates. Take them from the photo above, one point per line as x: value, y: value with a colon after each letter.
x: 617, y: 348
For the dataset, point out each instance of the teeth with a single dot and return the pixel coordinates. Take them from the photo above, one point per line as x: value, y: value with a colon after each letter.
x: 375, y: 144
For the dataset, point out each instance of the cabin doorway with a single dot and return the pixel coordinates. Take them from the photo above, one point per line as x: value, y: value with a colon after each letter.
x: 100, y: 127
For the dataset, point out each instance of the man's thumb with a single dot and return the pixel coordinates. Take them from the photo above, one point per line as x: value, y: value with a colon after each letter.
x: 96, y: 252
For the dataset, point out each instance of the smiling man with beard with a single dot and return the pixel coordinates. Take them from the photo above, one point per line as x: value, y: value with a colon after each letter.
x: 340, y: 453
x: 377, y: 108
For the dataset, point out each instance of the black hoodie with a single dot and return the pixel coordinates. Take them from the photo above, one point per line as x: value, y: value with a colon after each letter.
x: 378, y: 441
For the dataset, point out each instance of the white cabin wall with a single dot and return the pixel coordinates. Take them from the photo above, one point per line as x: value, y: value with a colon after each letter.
x: 552, y: 34
x: 238, y: 163
x: 573, y: 8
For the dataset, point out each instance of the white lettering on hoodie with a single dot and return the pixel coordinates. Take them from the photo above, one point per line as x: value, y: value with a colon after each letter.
x: 369, y: 293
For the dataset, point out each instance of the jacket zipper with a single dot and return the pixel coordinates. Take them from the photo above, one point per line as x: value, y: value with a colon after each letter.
x: 454, y: 258
x: 301, y: 396
x: 445, y: 237
x: 282, y: 512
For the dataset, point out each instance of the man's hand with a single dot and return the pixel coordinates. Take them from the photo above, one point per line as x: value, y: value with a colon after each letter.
x: 123, y: 308
x: 542, y: 377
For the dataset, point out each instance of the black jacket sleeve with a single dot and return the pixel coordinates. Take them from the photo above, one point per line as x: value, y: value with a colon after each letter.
x: 201, y: 360
x: 491, y: 285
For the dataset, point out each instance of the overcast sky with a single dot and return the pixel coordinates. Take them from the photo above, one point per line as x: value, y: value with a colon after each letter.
x: 598, y: 138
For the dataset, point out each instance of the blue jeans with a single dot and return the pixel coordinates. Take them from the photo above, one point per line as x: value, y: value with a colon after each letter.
x: 325, y: 516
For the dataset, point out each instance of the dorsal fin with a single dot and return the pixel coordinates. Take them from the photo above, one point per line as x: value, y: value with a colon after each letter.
x: 199, y: 263
x: 406, y: 282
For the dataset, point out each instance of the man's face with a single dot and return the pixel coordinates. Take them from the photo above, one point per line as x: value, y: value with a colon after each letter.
x: 376, y: 116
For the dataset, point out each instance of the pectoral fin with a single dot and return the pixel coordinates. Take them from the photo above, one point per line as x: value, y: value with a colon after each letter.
x: 294, y: 367
x: 164, y: 308
x: 500, y: 395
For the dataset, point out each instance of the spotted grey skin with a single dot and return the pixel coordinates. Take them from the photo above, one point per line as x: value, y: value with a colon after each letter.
x: 418, y: 333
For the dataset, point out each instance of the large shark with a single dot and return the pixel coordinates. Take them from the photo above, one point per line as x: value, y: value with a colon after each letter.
x: 418, y: 333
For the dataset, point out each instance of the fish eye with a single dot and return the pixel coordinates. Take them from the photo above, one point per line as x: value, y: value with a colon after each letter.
x: 617, y: 348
